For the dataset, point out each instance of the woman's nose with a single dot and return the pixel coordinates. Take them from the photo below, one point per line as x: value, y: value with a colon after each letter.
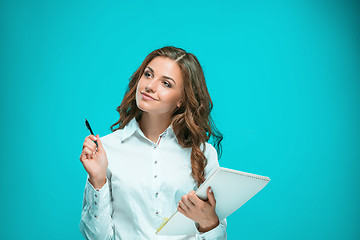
x: 151, y: 85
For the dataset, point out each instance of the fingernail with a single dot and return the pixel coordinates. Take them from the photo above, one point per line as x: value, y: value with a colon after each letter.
x: 95, y: 138
x: 210, y: 190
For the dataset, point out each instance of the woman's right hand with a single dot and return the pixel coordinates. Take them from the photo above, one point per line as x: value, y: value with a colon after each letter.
x: 94, y: 162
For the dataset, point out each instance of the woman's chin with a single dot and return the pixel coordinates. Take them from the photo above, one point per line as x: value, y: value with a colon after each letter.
x: 143, y: 107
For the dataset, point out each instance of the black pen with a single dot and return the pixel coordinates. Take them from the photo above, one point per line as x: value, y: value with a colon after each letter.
x: 88, y: 127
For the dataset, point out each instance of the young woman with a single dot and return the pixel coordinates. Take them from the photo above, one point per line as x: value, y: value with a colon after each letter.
x: 150, y: 165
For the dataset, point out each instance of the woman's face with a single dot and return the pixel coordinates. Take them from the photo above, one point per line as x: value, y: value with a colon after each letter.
x: 159, y: 89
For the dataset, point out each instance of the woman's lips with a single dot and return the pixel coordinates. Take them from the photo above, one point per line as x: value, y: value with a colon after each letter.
x: 147, y: 97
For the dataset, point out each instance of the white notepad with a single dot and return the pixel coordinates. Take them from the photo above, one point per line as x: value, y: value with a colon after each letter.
x: 231, y: 189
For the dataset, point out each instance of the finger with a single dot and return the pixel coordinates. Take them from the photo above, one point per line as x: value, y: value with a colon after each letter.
x: 90, y: 138
x: 95, y: 141
x: 183, y: 206
x: 88, y: 151
x: 185, y: 199
x: 90, y: 144
x: 100, y: 147
x: 195, y: 199
x: 211, y: 197
x: 181, y: 210
x: 84, y: 156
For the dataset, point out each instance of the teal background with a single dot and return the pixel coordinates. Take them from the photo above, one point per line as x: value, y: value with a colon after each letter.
x: 283, y: 76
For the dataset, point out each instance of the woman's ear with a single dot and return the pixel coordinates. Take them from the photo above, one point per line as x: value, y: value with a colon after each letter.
x: 179, y: 104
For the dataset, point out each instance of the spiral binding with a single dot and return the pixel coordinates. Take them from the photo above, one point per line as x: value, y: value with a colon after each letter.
x: 245, y: 174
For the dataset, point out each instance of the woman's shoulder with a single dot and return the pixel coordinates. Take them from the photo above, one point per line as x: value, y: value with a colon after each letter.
x: 111, y: 136
x: 210, y: 150
x: 211, y: 157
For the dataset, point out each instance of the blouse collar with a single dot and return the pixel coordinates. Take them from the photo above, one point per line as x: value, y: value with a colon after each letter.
x: 133, y: 126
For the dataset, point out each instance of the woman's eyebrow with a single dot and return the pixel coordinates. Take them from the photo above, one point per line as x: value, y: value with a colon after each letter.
x: 152, y: 71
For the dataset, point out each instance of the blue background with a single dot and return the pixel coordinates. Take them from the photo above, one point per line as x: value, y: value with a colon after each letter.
x: 283, y: 76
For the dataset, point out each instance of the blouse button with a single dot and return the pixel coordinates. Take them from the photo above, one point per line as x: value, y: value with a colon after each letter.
x: 95, y: 195
x: 157, y: 213
x: 156, y: 194
x: 95, y: 216
x: 95, y: 203
x: 155, y: 162
x: 155, y: 176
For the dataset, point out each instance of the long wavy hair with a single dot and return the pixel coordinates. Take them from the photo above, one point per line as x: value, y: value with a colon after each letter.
x: 192, y: 122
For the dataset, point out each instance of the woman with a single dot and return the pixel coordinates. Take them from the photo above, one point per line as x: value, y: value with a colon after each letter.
x: 150, y: 165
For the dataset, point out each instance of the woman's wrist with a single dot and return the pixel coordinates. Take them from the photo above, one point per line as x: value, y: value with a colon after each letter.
x: 205, y: 227
x: 97, y: 183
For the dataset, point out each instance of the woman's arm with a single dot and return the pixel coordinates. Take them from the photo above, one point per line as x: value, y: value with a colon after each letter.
x: 220, y: 231
x: 204, y: 212
x: 204, y: 215
x: 96, y: 221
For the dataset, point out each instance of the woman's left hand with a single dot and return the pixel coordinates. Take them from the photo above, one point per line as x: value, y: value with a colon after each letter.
x: 202, y: 212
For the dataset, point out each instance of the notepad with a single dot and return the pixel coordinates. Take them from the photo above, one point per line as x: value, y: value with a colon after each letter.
x: 231, y: 189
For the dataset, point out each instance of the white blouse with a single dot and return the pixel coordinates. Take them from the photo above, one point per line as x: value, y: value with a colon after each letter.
x: 145, y: 181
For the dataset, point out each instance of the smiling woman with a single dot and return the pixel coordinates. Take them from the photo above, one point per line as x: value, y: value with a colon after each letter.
x: 155, y: 84
x: 150, y: 165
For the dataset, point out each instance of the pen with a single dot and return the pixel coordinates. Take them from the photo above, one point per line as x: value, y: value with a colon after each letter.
x: 88, y: 127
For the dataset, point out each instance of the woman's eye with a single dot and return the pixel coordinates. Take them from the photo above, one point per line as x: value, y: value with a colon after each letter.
x: 147, y: 74
x: 167, y: 84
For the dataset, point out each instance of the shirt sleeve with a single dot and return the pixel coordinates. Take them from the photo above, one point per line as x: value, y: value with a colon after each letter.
x: 218, y: 233
x: 96, y: 221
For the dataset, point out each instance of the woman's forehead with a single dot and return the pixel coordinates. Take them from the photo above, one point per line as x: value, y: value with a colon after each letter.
x: 166, y: 67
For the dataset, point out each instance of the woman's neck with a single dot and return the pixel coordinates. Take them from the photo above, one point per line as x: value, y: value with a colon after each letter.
x: 153, y: 125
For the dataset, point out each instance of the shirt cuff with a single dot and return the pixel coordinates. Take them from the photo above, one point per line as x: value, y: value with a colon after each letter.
x: 212, y: 234
x: 98, y: 199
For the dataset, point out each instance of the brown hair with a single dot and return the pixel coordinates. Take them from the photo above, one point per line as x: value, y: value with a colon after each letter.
x: 192, y: 123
